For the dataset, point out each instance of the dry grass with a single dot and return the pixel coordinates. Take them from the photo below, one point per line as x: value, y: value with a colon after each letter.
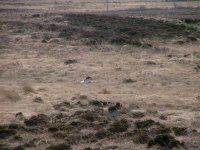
x: 94, y: 6
x: 167, y: 74
x: 105, y: 91
x: 28, y: 89
x: 9, y: 95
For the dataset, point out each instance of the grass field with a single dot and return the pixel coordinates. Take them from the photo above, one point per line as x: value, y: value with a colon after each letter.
x: 91, y: 5
x: 144, y: 65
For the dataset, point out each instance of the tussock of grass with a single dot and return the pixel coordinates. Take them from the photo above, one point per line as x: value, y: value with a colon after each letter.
x: 28, y: 89
x: 129, y: 81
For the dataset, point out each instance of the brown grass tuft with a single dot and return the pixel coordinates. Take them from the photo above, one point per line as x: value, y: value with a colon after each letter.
x: 28, y: 89
x: 83, y: 97
x: 129, y: 81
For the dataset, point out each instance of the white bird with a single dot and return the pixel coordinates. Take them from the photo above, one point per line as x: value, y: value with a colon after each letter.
x: 87, y: 80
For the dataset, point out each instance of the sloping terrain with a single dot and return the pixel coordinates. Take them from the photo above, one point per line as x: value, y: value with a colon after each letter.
x: 144, y: 92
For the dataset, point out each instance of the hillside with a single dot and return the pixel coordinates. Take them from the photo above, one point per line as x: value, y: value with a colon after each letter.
x: 143, y: 69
